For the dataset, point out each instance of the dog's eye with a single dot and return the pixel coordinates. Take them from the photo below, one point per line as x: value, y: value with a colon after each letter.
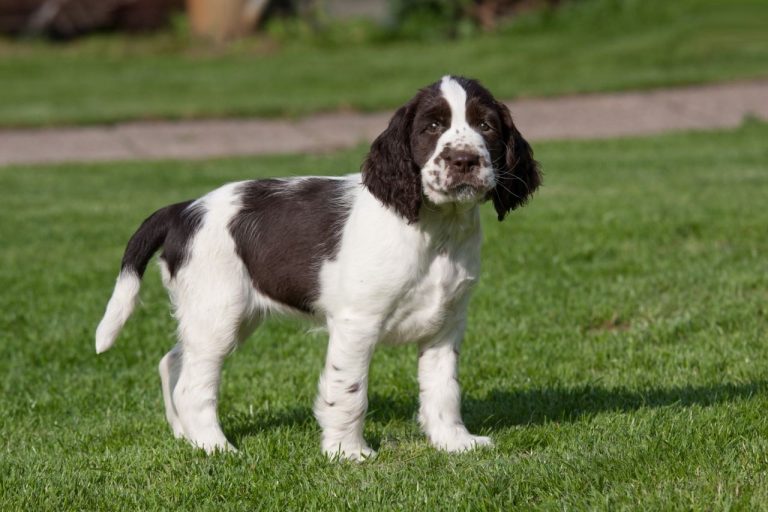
x: 485, y: 127
x: 434, y: 127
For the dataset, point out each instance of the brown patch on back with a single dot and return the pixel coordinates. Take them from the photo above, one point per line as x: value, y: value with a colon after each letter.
x: 283, y: 233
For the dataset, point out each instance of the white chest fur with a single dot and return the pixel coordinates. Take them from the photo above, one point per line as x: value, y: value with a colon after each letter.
x: 406, y: 281
x: 437, y: 299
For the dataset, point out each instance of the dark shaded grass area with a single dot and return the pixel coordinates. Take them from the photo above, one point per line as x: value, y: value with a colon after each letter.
x: 615, y: 350
x: 589, y: 46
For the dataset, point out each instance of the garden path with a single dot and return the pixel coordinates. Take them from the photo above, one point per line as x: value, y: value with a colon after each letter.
x: 588, y: 116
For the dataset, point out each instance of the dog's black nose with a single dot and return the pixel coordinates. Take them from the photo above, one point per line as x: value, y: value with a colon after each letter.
x: 463, y: 161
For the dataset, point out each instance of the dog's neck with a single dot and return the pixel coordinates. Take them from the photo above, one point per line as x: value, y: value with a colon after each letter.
x: 455, y: 222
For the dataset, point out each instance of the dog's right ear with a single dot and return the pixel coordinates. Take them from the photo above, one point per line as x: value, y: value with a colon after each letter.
x: 389, y: 171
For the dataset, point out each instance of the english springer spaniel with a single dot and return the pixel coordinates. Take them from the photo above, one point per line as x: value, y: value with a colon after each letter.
x: 386, y: 256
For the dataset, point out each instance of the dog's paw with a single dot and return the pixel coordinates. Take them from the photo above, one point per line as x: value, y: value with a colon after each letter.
x: 178, y: 430
x: 468, y: 442
x: 459, y: 440
x: 217, y: 446
x: 352, y: 452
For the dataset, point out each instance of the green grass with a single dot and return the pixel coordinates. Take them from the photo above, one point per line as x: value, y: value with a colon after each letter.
x: 594, y: 45
x: 616, y: 348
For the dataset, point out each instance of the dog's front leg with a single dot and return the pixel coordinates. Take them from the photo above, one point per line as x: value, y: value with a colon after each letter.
x: 440, y: 395
x: 343, y: 391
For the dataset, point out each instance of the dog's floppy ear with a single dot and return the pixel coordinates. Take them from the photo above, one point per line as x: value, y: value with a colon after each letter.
x: 519, y: 175
x: 389, y: 171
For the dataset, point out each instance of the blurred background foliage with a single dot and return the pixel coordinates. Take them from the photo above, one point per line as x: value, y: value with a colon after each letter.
x: 296, y: 57
x: 323, y: 20
x: 327, y: 22
x: 336, y: 22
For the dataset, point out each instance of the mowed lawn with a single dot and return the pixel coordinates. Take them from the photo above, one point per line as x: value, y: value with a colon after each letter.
x: 616, y: 348
x: 587, y: 46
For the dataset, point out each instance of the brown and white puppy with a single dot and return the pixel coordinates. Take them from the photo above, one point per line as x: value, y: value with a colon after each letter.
x: 386, y: 256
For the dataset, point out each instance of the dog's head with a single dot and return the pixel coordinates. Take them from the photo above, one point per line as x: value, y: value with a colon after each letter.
x: 452, y: 143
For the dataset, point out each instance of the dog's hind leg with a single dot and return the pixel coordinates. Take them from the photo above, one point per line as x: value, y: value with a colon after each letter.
x: 205, y: 344
x: 212, y: 295
x: 169, y: 368
x: 214, y: 316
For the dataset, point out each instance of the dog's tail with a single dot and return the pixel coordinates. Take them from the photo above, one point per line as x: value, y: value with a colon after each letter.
x: 143, y: 244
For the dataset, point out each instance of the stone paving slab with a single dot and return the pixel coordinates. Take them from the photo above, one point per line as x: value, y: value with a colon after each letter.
x: 588, y: 116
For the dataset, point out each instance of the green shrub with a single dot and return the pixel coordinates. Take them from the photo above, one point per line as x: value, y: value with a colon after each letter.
x: 432, y: 19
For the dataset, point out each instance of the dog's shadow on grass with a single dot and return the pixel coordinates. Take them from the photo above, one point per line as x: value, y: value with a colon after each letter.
x: 505, y: 408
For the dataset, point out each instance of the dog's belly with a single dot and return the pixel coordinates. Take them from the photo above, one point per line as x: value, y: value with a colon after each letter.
x: 436, y: 300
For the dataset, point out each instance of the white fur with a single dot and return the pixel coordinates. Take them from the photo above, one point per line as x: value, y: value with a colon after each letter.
x: 391, y: 282
x: 394, y: 282
x: 119, y: 308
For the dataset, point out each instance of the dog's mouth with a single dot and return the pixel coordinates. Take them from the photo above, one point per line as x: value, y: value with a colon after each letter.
x: 465, y: 191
